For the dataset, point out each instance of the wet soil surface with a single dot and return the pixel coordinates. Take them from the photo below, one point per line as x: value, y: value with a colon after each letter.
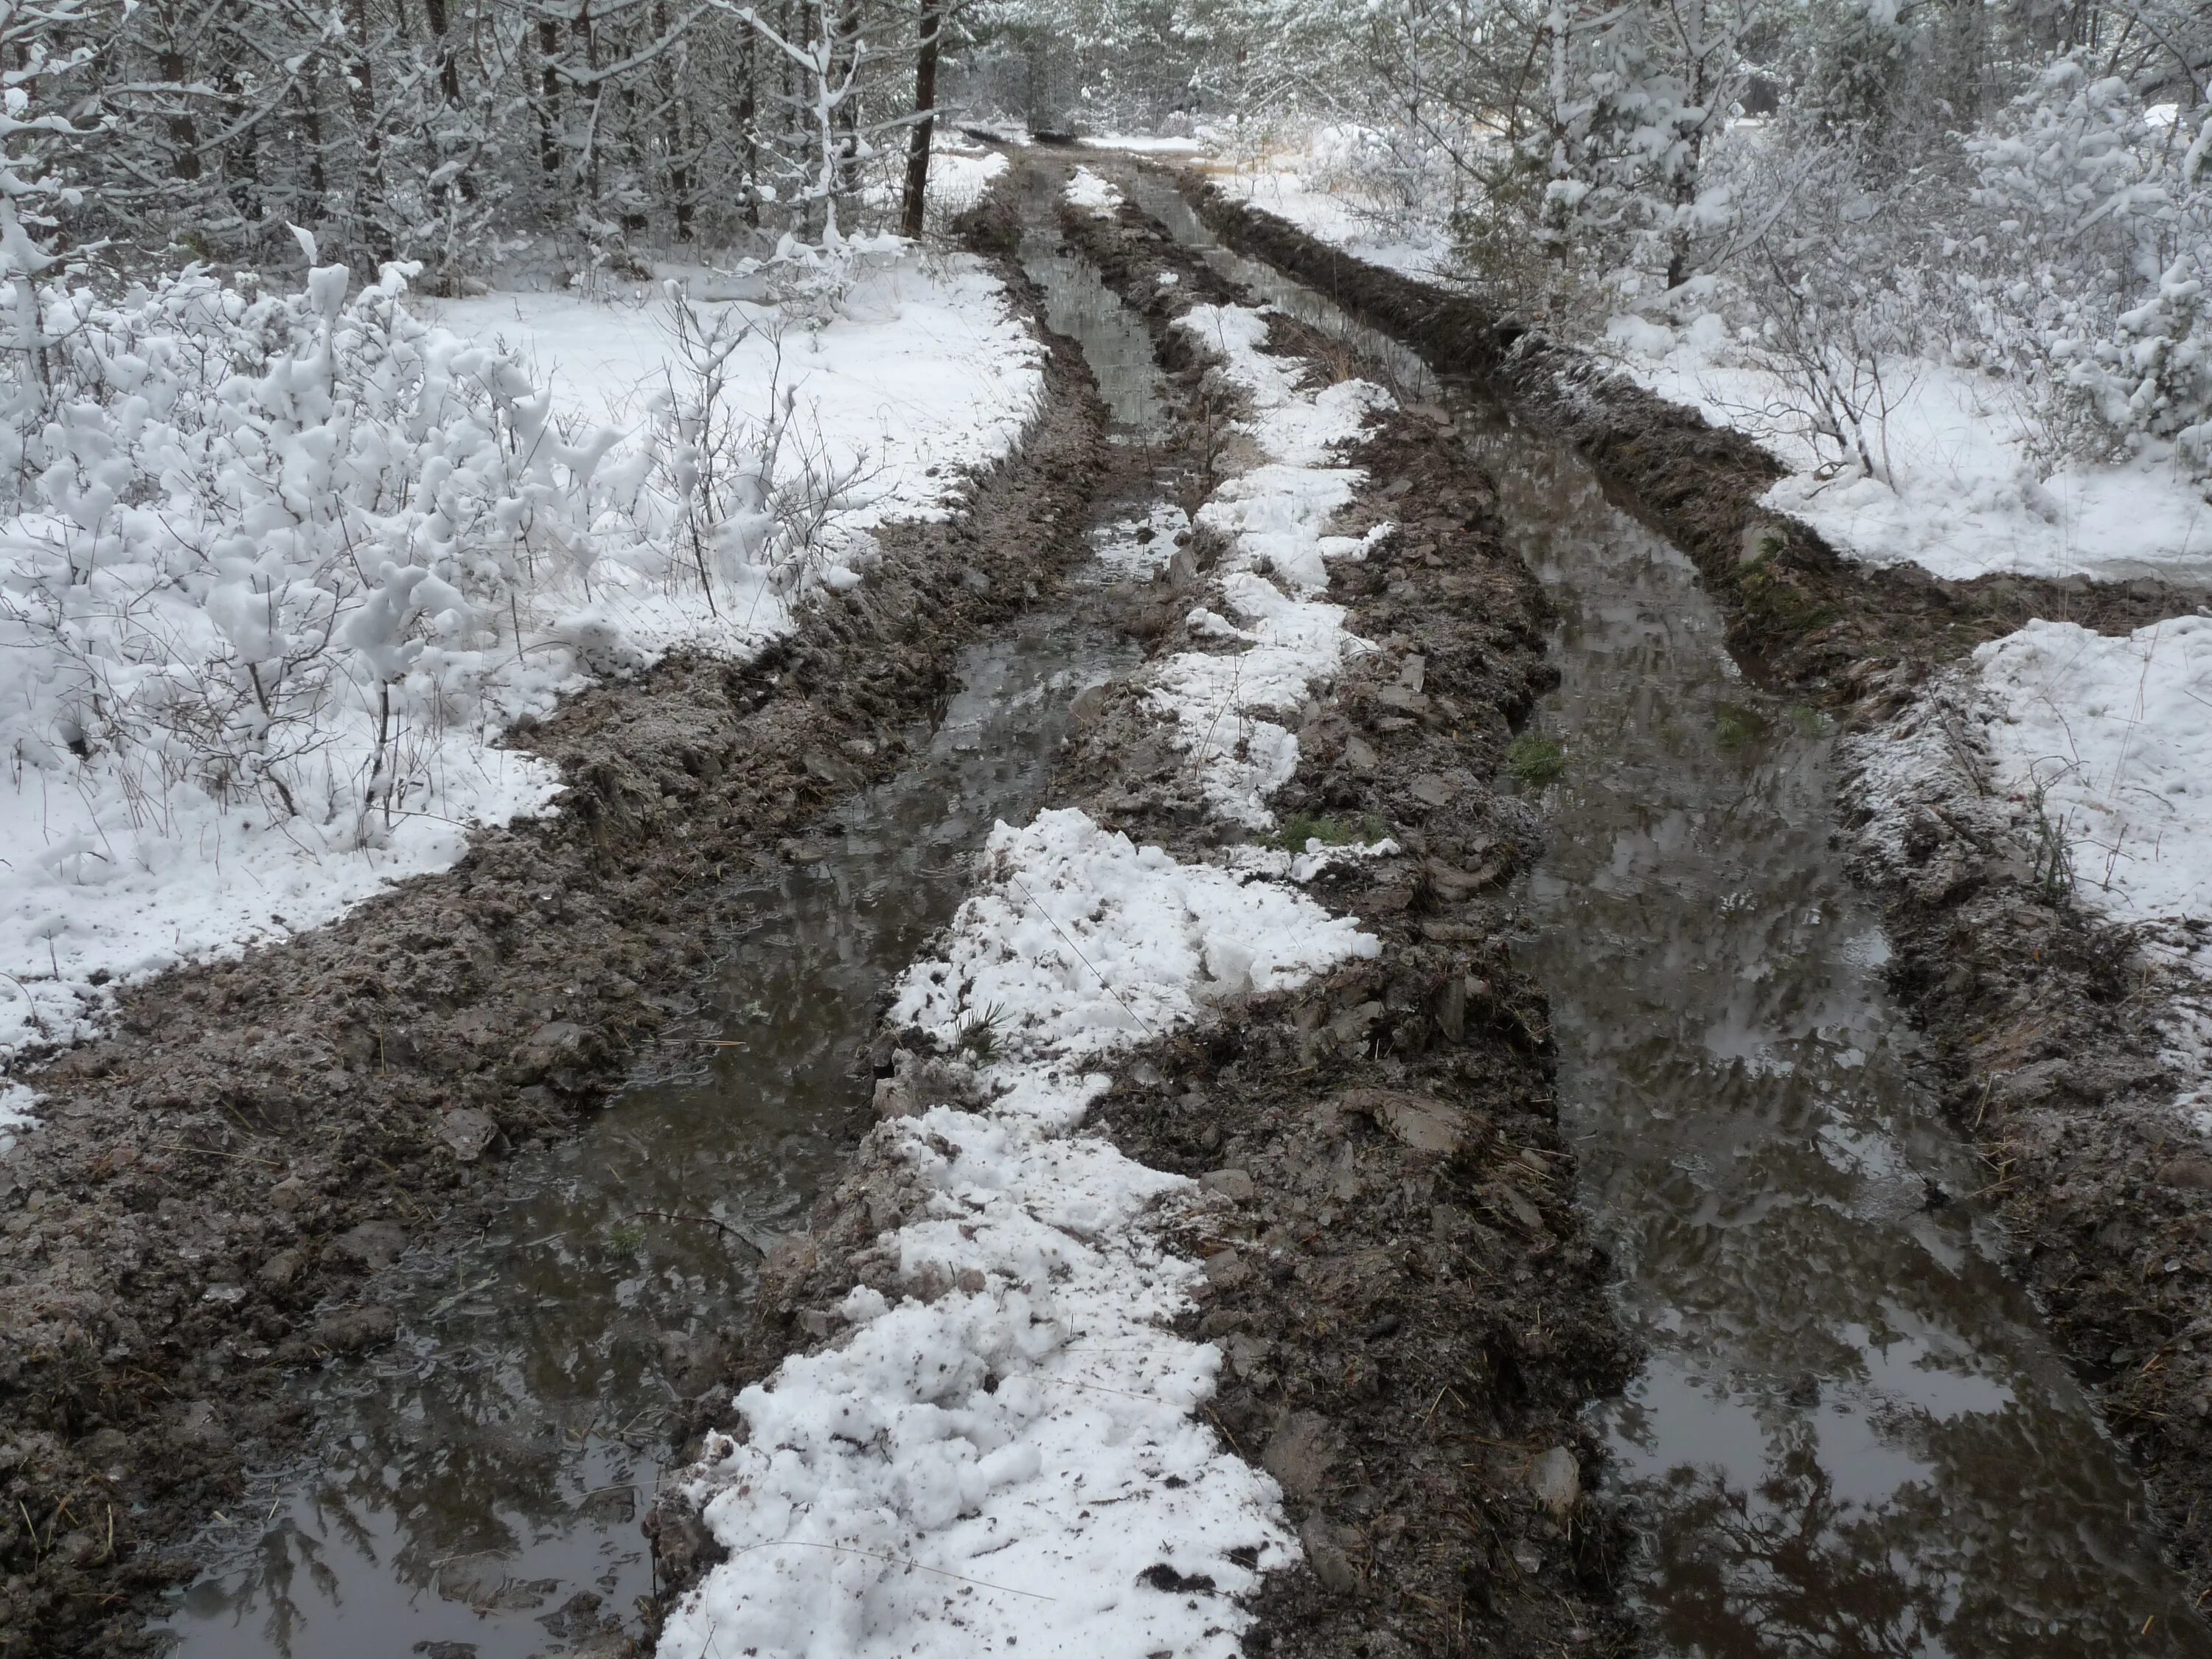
x: 216, y: 1201
x: 1412, y: 1312
x: 2041, y: 1027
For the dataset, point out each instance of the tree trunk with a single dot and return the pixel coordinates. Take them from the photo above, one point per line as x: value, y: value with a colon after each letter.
x: 184, y: 132
x: 548, y: 108
x: 925, y: 107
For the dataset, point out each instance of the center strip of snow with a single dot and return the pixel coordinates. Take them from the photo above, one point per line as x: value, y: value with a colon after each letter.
x: 1017, y: 1455
x: 1274, y: 518
x: 1008, y: 1454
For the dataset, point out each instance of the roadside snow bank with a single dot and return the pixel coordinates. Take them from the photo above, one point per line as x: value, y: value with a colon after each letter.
x: 286, y: 569
x: 1344, y: 185
x: 1014, y: 1457
x: 1968, y: 501
x: 2084, y: 762
x: 2116, y: 735
x: 1273, y: 518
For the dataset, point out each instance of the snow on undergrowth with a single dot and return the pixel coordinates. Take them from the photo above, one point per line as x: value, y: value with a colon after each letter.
x: 278, y: 569
x: 1010, y: 1453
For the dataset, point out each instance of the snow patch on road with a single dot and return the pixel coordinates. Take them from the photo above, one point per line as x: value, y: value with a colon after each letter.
x: 1018, y: 1458
x: 1274, y: 518
x: 1087, y: 190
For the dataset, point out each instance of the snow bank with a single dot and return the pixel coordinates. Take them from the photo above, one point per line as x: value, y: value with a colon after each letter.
x: 2118, y: 735
x: 1968, y: 500
x: 1015, y: 1458
x: 1087, y: 190
x: 264, y: 645
x: 1274, y: 516
x: 1322, y: 180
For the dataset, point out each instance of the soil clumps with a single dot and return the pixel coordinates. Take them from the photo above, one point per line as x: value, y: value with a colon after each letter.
x: 1412, y: 1310
x: 2047, y: 1025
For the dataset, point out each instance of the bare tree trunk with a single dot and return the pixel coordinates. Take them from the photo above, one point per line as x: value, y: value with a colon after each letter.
x: 925, y: 107
x: 548, y: 108
x: 749, y: 125
x: 183, y: 132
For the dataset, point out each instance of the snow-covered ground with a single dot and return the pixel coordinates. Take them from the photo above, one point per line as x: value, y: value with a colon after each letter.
x: 1323, y: 179
x: 923, y: 375
x: 1010, y: 1452
x: 1967, y: 500
x: 1085, y: 189
x: 128, y: 856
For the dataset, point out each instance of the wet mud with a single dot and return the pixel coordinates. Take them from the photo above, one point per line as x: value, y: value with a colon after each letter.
x: 219, y: 1184
x: 1800, y: 615
x: 1413, y: 1314
x: 2042, y: 1025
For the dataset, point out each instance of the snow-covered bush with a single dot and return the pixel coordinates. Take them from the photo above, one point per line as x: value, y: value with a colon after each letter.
x: 2084, y: 277
x: 278, y: 548
x: 749, y: 498
x: 244, y: 527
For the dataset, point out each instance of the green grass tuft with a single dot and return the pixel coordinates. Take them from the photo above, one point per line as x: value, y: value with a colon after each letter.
x: 1536, y: 760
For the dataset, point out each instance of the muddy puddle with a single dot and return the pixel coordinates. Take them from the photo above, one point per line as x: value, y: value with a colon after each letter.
x: 477, y: 1487
x: 1853, y: 1436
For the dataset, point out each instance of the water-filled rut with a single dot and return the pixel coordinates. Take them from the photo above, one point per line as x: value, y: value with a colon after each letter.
x: 1852, y: 1436
x: 477, y: 1487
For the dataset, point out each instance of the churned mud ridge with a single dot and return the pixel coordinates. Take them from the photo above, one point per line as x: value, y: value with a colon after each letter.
x: 1412, y: 1310
x: 2046, y: 1023
x: 1801, y: 616
x: 217, y: 1183
x: 1414, y: 1314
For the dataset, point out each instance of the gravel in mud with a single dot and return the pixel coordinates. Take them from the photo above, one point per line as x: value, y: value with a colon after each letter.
x: 1411, y: 1308
x: 2042, y: 1019
x: 218, y: 1182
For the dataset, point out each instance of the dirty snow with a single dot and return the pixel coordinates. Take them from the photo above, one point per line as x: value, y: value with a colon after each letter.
x: 1009, y: 1459
x: 111, y: 876
x: 1275, y: 516
x: 1087, y: 190
x: 2114, y: 736
x: 1968, y: 500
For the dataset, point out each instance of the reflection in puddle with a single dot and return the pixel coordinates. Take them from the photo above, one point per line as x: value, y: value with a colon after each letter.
x: 477, y: 1487
x: 481, y: 1481
x: 1852, y: 1437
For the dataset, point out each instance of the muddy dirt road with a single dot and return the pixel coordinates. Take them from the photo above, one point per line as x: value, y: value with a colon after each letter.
x: 1592, y: 1269
x: 1846, y: 1404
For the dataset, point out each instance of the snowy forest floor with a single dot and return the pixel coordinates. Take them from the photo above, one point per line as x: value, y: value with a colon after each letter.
x: 2024, y: 788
